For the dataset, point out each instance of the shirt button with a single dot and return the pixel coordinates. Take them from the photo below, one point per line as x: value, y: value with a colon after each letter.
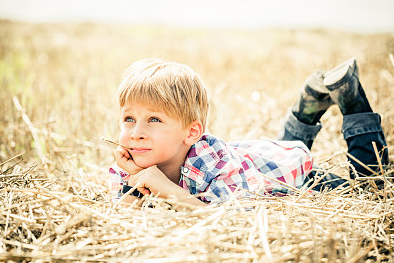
x: 185, y: 170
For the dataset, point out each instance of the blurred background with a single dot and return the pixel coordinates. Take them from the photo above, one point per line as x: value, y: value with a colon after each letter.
x: 61, y: 63
x: 355, y: 15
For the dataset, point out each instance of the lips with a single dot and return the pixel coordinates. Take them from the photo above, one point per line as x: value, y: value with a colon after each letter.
x: 139, y: 150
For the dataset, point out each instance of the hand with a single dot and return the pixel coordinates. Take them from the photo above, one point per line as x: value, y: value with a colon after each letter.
x: 125, y: 161
x: 152, y: 180
x: 132, y: 199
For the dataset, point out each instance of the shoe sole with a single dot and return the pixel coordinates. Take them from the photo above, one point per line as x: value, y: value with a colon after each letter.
x: 334, y: 78
x: 314, y: 85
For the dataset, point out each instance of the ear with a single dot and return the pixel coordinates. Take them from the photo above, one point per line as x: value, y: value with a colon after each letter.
x: 194, y: 133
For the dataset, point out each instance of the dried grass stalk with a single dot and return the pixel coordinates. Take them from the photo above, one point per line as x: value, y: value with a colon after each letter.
x: 43, y: 221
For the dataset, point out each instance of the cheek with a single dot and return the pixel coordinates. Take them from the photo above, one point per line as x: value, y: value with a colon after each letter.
x: 123, y: 136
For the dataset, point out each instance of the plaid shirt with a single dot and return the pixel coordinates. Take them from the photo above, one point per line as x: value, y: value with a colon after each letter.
x: 218, y: 168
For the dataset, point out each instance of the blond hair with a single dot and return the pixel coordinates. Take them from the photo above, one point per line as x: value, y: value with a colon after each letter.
x: 172, y: 87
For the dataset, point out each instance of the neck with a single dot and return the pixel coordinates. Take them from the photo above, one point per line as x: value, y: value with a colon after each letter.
x: 173, y: 169
x: 173, y: 174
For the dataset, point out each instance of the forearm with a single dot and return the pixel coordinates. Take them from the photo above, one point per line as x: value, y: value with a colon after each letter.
x: 177, y: 193
x: 131, y: 199
x: 184, y: 196
x: 152, y: 180
x: 128, y: 197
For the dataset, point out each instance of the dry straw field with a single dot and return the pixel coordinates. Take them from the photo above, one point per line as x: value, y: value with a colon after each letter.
x: 58, y: 96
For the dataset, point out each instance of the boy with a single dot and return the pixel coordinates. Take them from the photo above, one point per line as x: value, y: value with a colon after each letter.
x: 164, y: 108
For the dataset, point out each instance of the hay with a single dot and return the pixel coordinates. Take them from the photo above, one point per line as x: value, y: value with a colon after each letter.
x: 68, y: 220
x: 58, y: 87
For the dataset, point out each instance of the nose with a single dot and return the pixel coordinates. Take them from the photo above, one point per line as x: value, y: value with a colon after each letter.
x: 138, y: 133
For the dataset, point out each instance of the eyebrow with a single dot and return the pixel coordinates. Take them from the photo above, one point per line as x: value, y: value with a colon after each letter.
x: 128, y: 109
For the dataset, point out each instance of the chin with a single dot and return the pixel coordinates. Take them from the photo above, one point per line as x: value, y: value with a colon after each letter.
x: 143, y: 164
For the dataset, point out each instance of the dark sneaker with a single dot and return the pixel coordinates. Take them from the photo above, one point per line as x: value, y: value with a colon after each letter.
x: 345, y: 88
x: 313, y: 101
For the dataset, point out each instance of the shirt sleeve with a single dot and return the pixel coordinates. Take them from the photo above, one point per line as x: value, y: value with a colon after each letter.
x: 118, y: 179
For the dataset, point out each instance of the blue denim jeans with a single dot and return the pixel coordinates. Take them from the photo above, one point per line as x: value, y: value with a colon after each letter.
x: 359, y: 131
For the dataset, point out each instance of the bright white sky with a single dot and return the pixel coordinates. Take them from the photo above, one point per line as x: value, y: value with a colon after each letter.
x: 355, y: 15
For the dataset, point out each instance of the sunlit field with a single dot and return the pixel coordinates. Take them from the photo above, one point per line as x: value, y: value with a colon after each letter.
x: 58, y: 85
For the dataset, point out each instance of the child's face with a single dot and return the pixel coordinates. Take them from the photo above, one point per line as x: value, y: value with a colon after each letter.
x: 154, y: 137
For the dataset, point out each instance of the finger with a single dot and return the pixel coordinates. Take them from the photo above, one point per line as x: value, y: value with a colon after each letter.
x: 123, y: 153
x: 119, y: 153
x: 130, y: 199
x: 127, y: 154
x: 126, y: 164
x: 145, y: 191
x: 142, y: 182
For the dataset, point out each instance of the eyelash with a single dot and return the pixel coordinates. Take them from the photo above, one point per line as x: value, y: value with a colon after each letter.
x: 128, y: 118
x: 151, y: 119
x: 154, y: 118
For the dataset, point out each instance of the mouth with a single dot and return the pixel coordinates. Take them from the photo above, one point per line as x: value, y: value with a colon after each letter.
x: 138, y: 150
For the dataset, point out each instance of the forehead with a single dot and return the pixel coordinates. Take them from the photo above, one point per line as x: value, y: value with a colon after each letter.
x: 149, y: 109
x: 138, y: 106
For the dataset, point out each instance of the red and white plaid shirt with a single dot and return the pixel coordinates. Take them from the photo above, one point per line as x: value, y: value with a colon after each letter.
x: 218, y: 168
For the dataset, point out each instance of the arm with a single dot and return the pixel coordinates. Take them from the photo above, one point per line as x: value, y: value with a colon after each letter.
x: 124, y: 161
x: 151, y: 180
x: 118, y: 182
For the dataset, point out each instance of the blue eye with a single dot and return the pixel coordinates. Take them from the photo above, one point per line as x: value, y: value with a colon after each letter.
x: 129, y: 119
x: 154, y: 119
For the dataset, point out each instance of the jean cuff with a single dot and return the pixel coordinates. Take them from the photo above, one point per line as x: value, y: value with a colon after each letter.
x: 360, y: 123
x: 299, y: 129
